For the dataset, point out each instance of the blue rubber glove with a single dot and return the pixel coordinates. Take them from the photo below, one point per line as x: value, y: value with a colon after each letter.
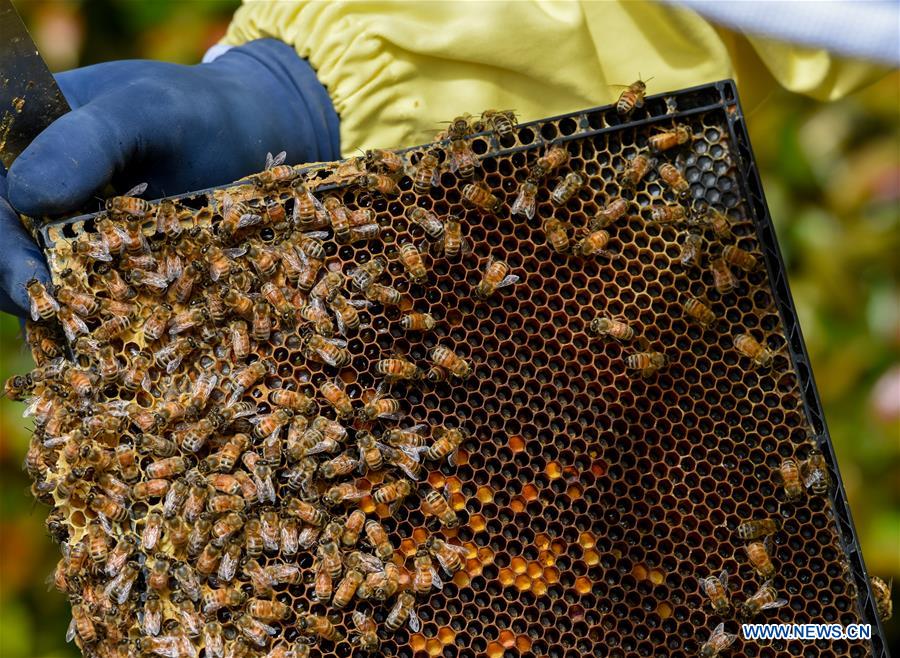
x: 177, y: 128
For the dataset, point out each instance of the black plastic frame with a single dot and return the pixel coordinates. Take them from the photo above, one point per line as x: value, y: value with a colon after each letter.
x: 721, y: 96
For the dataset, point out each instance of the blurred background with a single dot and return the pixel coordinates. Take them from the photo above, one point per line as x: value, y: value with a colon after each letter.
x: 831, y: 173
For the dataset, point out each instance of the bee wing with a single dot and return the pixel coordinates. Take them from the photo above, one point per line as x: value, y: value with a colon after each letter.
x: 413, y: 453
x: 508, y: 280
x: 249, y: 219
x: 415, y: 624
x: 337, y: 342
x: 227, y: 567
x: 274, y: 161
x: 342, y: 328
x: 774, y: 604
x: 74, y: 328
x: 236, y: 252
x: 137, y: 190
x: 325, y: 446
x: 723, y: 578
x: 172, y: 366
x: 319, y: 235
x: 70, y: 631
x: 359, y: 303
x: 155, y: 280
x: 436, y: 579
x: 811, y: 478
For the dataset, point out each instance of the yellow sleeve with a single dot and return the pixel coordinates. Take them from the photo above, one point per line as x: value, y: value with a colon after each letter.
x: 395, y: 70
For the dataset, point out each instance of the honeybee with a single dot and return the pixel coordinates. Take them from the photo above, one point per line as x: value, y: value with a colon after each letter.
x: 418, y: 322
x: 453, y: 242
x: 263, y: 259
x: 817, y: 478
x: 526, y: 201
x: 294, y: 400
x: 882, y: 593
x: 699, y: 312
x: 427, y: 221
x: 119, y: 587
x: 556, y: 157
x: 271, y: 423
x: 127, y: 462
x: 353, y: 527
x: 245, y: 378
x: 199, y: 534
x: 446, y: 444
x: 309, y: 213
x: 692, y: 248
x: 268, y: 609
x: 718, y: 641
x: 411, y: 258
x: 378, y: 539
x: 275, y: 296
x: 758, y: 556
x: 155, y: 488
x: 181, y: 289
x: 289, y: 534
x: 346, y: 312
x: 276, y: 172
x: 632, y: 97
x: 167, y: 468
x: 502, y: 122
x: 455, y: 364
x: 340, y: 218
x: 718, y: 222
x: 462, y: 158
x: 128, y: 205
x: 214, y: 639
x: 635, y: 170
x: 723, y: 277
x: 613, y: 210
x: 439, y: 506
x: 425, y: 576
x: 647, y: 363
x: 739, y: 258
x: 557, y: 234
x: 240, y: 338
x: 384, y: 295
x: 318, y: 625
x: 171, y: 356
x: 496, y: 276
x: 345, y: 590
x: 607, y: 326
x: 478, y: 195
x: 226, y: 526
x: 158, y: 576
x: 346, y: 492
x: 592, y: 243
x: 667, y: 214
x: 716, y: 588
x: 43, y: 305
x: 303, y: 264
x: 306, y: 512
x: 107, y: 507
x: 337, y: 397
x: 790, y: 477
x: 328, y: 286
x: 403, y: 612
x: 157, y: 322
x: 387, y: 160
x: 90, y: 248
x: 332, y: 351
x: 670, y: 139
x: 748, y: 346
x: 152, y: 620
x: 363, y: 276
x: 82, y: 625
x: 392, y: 492
x: 380, y: 183
x: 757, y: 528
x: 367, y: 632
x: 254, y: 630
x: 672, y: 177
x: 766, y: 598
x: 82, y: 303
x: 397, y: 369
x: 426, y: 174
x: 136, y: 375
x: 566, y: 188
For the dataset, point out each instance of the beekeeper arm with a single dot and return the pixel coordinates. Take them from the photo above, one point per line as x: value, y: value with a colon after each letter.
x: 395, y: 70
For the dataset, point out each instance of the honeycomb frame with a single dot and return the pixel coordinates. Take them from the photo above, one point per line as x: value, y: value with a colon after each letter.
x: 616, y: 572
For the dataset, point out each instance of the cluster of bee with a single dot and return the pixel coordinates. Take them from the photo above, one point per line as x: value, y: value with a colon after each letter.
x: 188, y: 475
x: 213, y: 496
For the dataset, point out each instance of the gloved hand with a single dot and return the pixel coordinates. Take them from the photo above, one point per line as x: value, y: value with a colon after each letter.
x: 20, y: 259
x: 177, y: 128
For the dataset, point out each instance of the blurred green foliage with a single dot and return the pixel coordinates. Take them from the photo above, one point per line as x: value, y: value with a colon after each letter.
x: 832, y: 178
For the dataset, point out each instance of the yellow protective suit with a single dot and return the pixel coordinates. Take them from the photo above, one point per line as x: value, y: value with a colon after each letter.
x: 395, y: 70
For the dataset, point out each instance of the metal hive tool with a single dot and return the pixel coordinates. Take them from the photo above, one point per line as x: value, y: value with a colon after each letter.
x: 592, y: 500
